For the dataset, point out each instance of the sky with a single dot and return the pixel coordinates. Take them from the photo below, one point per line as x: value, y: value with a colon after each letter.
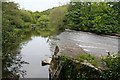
x: 39, y: 5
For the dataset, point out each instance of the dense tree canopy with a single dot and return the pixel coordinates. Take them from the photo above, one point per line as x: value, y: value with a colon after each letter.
x: 95, y: 17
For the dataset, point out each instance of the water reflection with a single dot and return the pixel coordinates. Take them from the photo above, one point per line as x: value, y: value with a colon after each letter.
x: 12, y: 65
x: 34, y: 52
x: 11, y: 55
x: 13, y: 58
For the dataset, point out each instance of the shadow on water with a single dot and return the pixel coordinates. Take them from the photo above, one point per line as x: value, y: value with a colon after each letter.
x: 12, y: 63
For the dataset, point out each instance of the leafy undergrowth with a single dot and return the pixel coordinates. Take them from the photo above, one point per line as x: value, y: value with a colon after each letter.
x: 74, y: 69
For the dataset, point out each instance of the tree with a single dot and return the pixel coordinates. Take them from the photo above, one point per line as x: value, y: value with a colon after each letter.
x: 97, y: 17
x: 57, y: 15
x: 43, y: 21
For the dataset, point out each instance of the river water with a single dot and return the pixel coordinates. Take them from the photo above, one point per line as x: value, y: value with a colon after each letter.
x: 39, y: 49
x: 34, y: 52
x: 89, y: 42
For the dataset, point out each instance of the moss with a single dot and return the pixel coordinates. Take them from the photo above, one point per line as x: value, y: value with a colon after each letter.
x: 91, y: 59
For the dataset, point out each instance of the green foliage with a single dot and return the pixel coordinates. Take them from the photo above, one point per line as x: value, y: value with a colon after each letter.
x: 51, y: 19
x: 43, y: 21
x: 73, y: 69
x: 100, y: 18
x: 113, y: 64
x: 91, y: 59
x: 14, y: 21
x: 15, y: 17
x: 15, y: 25
x: 57, y: 15
x: 27, y: 17
x: 36, y: 15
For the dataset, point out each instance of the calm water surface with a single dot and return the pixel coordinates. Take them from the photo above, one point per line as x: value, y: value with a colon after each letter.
x: 34, y: 52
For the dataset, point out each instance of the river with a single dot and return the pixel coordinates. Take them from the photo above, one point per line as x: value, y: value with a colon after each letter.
x: 34, y: 52
x: 40, y: 48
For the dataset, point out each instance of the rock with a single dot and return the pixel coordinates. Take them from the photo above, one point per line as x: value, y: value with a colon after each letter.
x: 90, y: 65
x: 68, y: 30
x: 46, y: 61
x: 56, y: 50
